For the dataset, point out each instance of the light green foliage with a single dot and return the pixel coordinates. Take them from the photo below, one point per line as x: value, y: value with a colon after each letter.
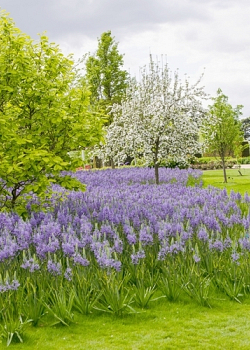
x: 104, y: 74
x: 143, y: 294
x: 86, y: 293
x: 61, y: 304
x: 224, y: 135
x: 12, y: 329
x: 170, y: 283
x: 116, y: 298
x: 198, y: 288
x: 33, y: 302
x: 44, y: 114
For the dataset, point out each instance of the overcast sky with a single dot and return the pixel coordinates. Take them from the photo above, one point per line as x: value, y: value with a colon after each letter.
x: 193, y: 34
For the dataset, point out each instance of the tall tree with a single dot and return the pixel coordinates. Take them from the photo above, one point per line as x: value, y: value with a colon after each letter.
x: 159, y: 118
x: 224, y: 134
x: 44, y: 114
x: 105, y: 76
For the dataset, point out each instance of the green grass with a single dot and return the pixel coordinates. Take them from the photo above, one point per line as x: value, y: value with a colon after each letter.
x: 164, y: 326
x: 236, y: 182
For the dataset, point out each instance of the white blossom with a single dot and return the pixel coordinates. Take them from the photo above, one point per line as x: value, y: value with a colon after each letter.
x: 160, y: 117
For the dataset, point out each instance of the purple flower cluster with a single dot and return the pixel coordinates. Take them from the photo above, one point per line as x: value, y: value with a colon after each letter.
x: 124, y: 215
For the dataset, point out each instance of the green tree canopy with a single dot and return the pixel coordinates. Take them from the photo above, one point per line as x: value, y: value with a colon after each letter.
x: 104, y: 74
x: 44, y: 114
x: 224, y: 134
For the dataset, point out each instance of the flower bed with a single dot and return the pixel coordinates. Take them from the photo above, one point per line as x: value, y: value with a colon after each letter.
x: 122, y: 243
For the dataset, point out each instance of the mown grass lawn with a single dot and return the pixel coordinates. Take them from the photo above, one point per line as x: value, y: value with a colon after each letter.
x: 236, y: 182
x: 164, y: 326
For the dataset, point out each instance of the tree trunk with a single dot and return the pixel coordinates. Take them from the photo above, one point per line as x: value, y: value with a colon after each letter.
x: 112, y: 163
x: 156, y: 164
x: 224, y: 169
x: 14, y: 197
x: 156, y: 173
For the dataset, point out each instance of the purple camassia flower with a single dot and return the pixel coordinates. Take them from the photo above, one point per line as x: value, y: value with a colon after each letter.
x: 64, y: 218
x: 116, y: 264
x: 68, y: 248
x: 6, y: 222
x: 15, y: 285
x: 30, y: 265
x: 54, y: 268
x: 196, y: 258
x: 145, y: 237
x: 23, y: 233
x: 227, y: 243
x: 5, y: 287
x: 234, y: 219
x: 246, y: 223
x: 50, y: 228
x: 196, y: 220
x: 235, y: 196
x: 176, y: 247
x: 78, y: 259
x: 177, y: 229
x: 76, y: 224
x: 187, y: 235
x: 245, y: 243
x: 217, y: 245
x: 13, y: 239
x: 43, y: 247
x: 37, y: 218
x: 34, y: 222
x: 163, y: 252
x: 165, y: 231
x: 127, y: 229
x: 68, y: 274
x: 108, y: 230
x: 211, y: 223
x: 8, y: 251
x: 69, y: 242
x: 85, y: 240
x: 105, y: 262
x: 137, y: 256
x: 221, y: 217
x: 246, y: 198
x: 132, y: 239
x: 118, y: 246
x: 103, y: 254
x: 152, y: 221
x: 86, y: 226
x: 136, y: 222
x: 235, y: 257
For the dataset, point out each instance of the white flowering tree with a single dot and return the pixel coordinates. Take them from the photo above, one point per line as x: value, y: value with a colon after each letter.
x: 160, y: 117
